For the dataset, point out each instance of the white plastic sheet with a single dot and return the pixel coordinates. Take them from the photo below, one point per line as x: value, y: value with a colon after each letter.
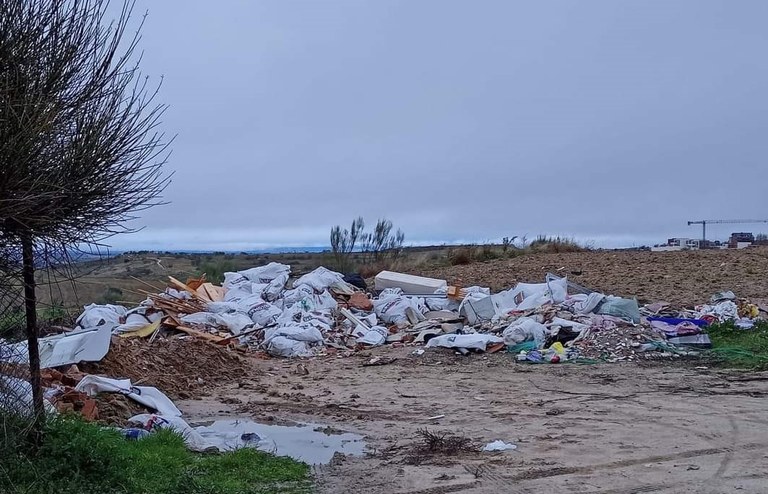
x: 193, y: 439
x: 85, y: 345
x: 148, y: 396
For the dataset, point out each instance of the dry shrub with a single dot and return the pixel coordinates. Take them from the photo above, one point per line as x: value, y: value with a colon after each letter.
x: 460, y: 256
x: 444, y: 443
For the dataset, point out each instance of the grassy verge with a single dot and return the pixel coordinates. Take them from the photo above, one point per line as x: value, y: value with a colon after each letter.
x: 80, y: 457
x: 743, y: 348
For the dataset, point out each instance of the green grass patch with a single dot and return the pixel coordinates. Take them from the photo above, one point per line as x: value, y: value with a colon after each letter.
x: 80, y: 457
x: 743, y: 348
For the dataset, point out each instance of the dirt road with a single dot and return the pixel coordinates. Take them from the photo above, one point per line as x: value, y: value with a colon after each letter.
x: 579, y: 428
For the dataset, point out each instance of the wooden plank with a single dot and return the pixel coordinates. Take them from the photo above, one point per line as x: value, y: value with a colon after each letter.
x: 200, y: 334
x: 183, y: 286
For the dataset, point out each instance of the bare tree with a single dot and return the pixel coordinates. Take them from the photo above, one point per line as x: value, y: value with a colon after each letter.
x: 382, y: 242
x: 343, y: 243
x: 80, y: 149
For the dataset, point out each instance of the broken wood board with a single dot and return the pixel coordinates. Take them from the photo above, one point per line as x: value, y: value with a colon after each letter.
x: 200, y: 334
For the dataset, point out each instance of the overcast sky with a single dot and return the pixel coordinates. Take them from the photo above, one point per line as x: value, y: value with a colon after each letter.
x: 611, y: 121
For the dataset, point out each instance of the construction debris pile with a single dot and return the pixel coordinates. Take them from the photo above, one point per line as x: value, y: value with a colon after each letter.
x: 324, y: 312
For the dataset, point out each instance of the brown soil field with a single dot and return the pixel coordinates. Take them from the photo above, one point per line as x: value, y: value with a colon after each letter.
x: 686, y: 277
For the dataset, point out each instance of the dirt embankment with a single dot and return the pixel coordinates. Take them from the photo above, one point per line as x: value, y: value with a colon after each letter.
x: 685, y: 278
x: 182, y: 369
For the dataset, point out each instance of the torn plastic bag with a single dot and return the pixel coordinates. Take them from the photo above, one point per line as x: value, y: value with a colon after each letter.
x: 525, y: 329
x: 266, y: 274
x: 476, y: 341
x: 148, y: 396
x: 320, y: 279
x: 99, y: 315
x: 623, y: 308
x: 585, y: 304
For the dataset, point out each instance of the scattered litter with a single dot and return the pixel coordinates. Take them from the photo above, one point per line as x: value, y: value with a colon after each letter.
x: 379, y: 361
x: 499, y: 445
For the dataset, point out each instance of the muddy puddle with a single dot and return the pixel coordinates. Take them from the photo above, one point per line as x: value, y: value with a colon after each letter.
x: 311, y: 443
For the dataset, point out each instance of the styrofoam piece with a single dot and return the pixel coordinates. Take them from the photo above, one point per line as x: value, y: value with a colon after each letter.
x: 416, y: 285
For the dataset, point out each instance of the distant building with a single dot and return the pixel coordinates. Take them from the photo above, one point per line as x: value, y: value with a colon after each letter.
x: 741, y: 240
x: 678, y: 243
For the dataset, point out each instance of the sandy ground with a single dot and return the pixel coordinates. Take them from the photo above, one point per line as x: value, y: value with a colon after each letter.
x: 618, y: 428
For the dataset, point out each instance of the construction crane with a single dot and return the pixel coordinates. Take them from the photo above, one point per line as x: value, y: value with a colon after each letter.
x: 704, y: 224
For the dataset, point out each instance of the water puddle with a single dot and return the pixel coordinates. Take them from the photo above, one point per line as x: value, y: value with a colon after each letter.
x: 311, y: 443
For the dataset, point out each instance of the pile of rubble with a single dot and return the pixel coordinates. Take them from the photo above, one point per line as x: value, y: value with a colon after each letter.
x: 324, y: 312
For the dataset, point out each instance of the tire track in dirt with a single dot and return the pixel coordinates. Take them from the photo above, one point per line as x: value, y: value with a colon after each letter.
x: 589, y: 469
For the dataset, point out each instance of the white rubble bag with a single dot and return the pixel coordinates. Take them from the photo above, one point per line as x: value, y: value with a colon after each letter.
x: 298, y: 293
x: 525, y: 329
x: 262, y: 313
x: 292, y: 341
x: 525, y: 296
x: 475, y: 341
x: 235, y: 322
x: 99, y: 315
x: 275, y: 288
x: 138, y: 318
x: 320, y: 279
x: 148, y: 396
x: 235, y: 281
x: 375, y: 336
x: 266, y: 274
x: 454, y: 305
x: 391, y: 306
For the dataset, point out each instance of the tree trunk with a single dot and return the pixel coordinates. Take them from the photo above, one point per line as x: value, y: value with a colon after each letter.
x: 30, y: 305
